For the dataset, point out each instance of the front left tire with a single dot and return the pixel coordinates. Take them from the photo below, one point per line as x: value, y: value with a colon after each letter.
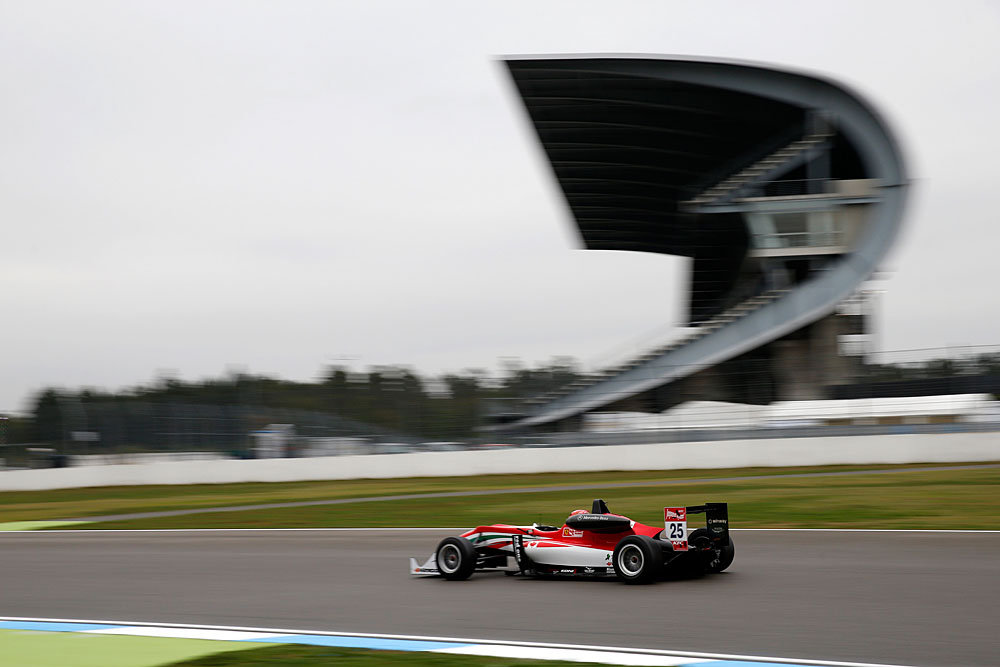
x: 456, y: 558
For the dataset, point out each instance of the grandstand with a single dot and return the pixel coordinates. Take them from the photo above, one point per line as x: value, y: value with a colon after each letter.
x: 784, y: 189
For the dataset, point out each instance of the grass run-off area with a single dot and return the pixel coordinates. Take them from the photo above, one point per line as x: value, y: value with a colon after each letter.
x: 77, y: 649
x: 910, y: 498
x: 350, y: 657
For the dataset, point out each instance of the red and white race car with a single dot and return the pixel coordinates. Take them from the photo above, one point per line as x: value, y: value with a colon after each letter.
x: 594, y: 543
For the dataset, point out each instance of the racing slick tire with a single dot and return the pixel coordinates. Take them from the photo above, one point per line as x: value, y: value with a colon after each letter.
x: 456, y: 558
x: 637, y: 559
x: 726, y: 554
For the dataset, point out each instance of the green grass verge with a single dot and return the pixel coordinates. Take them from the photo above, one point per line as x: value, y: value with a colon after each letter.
x: 38, y: 525
x: 965, y: 499
x: 97, y: 501
x: 311, y: 656
x: 75, y: 649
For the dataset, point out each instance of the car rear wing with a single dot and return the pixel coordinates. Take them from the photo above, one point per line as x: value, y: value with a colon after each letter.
x: 716, y: 521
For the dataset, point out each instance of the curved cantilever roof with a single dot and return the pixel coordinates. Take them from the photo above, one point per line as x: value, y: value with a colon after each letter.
x: 632, y: 139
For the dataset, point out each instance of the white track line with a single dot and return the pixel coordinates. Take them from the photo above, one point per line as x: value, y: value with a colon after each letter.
x: 572, y: 655
x: 186, y: 633
x: 462, y: 640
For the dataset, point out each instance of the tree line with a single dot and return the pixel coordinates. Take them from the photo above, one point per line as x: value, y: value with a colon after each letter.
x: 392, y: 398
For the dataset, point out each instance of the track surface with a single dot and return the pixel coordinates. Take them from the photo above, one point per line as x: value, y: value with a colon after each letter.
x: 905, y: 598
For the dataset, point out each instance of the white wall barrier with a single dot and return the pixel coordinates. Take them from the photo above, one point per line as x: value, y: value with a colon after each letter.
x: 874, y: 449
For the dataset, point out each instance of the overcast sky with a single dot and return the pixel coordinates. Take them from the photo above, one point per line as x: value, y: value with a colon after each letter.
x: 187, y: 187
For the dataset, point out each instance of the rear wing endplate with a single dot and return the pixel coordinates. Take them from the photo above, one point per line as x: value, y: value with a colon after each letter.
x: 716, y: 521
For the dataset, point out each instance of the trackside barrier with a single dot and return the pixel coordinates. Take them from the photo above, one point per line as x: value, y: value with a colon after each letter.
x: 908, y: 448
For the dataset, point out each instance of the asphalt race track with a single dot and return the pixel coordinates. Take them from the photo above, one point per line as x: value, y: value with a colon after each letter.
x: 903, y: 598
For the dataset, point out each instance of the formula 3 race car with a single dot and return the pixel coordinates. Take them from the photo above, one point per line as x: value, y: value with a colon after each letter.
x: 595, y: 543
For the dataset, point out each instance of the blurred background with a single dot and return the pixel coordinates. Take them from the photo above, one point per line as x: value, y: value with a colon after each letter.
x: 389, y: 410
x: 265, y: 230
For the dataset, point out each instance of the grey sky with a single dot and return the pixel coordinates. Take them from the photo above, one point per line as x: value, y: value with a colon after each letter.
x: 272, y: 185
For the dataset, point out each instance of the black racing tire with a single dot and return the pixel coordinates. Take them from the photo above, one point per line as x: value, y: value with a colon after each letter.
x: 726, y: 556
x: 699, y: 537
x: 456, y: 558
x: 637, y: 559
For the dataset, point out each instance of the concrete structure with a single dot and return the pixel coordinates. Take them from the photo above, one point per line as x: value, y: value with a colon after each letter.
x: 890, y: 411
x: 950, y: 409
x: 690, y: 415
x: 907, y: 448
x: 784, y: 189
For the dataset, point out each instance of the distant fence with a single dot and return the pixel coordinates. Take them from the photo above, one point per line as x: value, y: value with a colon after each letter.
x: 883, y: 449
x: 119, y: 427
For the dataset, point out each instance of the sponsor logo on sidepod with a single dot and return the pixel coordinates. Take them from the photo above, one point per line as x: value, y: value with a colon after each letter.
x: 569, y: 532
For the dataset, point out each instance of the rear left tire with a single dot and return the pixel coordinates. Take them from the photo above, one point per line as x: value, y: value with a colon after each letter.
x: 637, y: 559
